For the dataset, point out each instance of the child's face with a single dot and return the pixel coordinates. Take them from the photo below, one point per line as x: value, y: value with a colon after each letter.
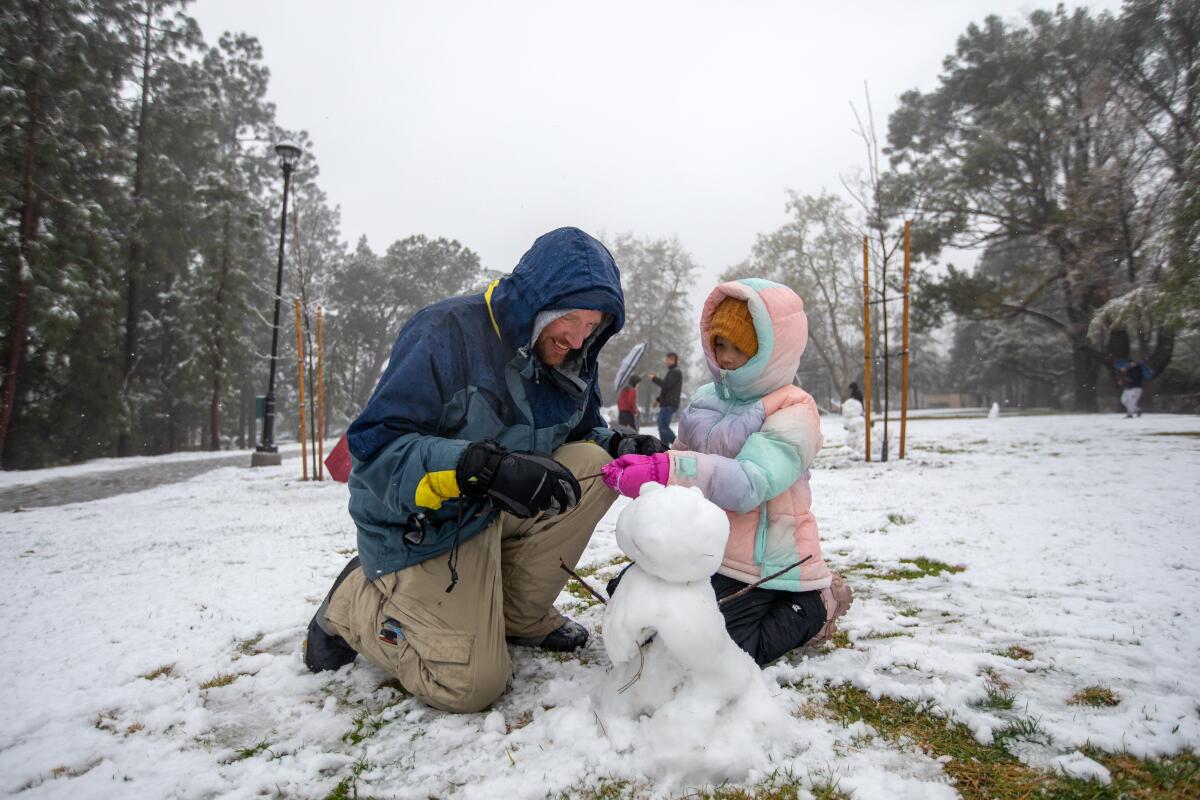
x: 728, y: 355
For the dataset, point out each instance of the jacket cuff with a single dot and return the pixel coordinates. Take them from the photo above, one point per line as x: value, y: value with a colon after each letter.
x: 685, y: 469
x: 603, y: 436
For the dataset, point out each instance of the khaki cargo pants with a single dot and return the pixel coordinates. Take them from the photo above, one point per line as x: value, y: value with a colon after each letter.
x: 452, y: 653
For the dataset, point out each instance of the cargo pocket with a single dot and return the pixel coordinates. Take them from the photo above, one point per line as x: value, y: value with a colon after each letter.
x: 443, y: 648
x: 445, y: 663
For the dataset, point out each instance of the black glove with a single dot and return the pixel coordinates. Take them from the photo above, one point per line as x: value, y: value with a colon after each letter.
x: 630, y: 444
x: 522, y: 484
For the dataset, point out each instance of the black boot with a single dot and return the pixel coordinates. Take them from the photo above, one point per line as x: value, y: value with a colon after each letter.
x: 324, y: 650
x: 570, y: 636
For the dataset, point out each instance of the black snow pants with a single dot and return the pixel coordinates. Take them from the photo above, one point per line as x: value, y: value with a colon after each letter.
x: 764, y: 623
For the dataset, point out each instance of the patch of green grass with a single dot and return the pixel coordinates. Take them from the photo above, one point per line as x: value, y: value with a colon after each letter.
x: 889, y: 635
x: 252, y: 751
x: 395, y: 686
x: 580, y: 656
x: 841, y: 640
x: 921, y: 567
x: 991, y: 772
x: 523, y: 719
x: 346, y: 551
x: 998, y: 696
x: 1023, y: 729
x: 1016, y: 653
x: 931, y: 567
x: 368, y: 722
x: 897, y: 518
x: 822, y: 784
x: 573, y: 609
x: 220, y: 680
x: 165, y: 671
x: 616, y: 561
x: 1097, y: 696
x: 366, y: 725
x: 604, y: 789
x: 249, y: 647
x: 979, y: 771
x: 1176, y: 777
x: 575, y: 589
x: 347, y: 788
x: 107, y: 722
x: 827, y: 786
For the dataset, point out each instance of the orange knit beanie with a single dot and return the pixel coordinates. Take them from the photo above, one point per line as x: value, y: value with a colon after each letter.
x: 733, y: 323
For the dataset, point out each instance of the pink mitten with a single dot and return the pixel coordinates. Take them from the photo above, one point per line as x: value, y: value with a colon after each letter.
x: 627, y: 474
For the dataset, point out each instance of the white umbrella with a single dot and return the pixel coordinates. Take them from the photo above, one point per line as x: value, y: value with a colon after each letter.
x: 628, y: 365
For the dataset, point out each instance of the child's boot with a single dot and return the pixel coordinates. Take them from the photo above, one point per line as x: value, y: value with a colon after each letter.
x: 837, y: 599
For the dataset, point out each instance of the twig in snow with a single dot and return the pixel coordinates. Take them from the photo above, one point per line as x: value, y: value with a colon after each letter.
x: 641, y: 663
x: 760, y: 581
x: 582, y: 582
x: 600, y: 722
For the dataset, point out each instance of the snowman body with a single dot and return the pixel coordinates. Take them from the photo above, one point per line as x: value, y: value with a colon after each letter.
x: 680, y: 689
x: 855, y: 425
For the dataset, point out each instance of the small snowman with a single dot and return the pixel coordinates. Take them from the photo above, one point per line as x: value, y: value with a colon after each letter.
x: 681, y: 695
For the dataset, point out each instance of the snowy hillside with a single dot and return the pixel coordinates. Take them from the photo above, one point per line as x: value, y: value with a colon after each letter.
x: 1026, y: 588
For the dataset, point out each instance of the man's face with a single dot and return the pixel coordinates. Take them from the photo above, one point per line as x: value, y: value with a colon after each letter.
x: 670, y: 361
x: 565, y: 334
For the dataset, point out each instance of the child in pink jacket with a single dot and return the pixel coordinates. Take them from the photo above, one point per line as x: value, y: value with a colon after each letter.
x: 748, y: 440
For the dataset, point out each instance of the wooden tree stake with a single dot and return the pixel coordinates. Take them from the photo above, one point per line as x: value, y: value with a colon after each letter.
x: 904, y: 347
x: 320, y: 432
x: 300, y: 370
x: 867, y: 340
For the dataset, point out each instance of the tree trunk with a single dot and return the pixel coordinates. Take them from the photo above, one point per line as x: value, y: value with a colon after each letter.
x: 218, y: 336
x: 18, y: 332
x: 371, y: 378
x: 137, y: 248
x: 1084, y: 369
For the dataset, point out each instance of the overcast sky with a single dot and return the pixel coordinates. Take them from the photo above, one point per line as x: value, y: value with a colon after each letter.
x: 494, y: 122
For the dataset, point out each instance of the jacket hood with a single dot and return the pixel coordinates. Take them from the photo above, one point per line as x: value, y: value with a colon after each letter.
x: 782, y: 329
x: 564, y: 269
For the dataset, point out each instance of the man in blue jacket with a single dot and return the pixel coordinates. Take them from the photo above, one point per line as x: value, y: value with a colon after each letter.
x: 466, y: 486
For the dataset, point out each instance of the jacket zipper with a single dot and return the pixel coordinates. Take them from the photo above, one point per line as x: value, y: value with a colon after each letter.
x: 724, y: 414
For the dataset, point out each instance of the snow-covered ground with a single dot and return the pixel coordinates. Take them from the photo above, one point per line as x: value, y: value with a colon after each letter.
x: 152, y: 642
x: 13, y: 478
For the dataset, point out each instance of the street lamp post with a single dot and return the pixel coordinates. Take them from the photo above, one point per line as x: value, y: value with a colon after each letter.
x: 267, y: 454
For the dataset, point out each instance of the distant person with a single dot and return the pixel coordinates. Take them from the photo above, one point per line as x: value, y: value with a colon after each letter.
x: 1131, y: 374
x: 747, y: 441
x: 627, y: 404
x: 671, y: 385
x: 856, y: 393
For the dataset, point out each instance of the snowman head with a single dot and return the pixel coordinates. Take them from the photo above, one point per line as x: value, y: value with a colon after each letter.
x: 673, y: 533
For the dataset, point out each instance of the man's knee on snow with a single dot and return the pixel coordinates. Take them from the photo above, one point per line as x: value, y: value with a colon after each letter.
x: 484, y: 687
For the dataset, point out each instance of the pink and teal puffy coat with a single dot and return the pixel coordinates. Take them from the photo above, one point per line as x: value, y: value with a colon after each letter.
x: 748, y: 440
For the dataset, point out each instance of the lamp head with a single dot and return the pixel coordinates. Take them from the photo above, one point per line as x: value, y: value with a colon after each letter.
x: 288, y: 154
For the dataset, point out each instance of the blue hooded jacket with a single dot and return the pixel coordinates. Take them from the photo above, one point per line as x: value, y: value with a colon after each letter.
x: 463, y: 370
